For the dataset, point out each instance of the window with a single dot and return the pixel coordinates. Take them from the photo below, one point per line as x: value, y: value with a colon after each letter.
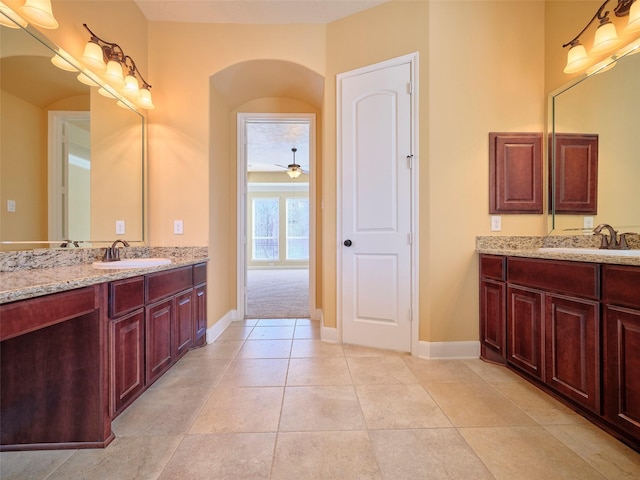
x: 265, y: 228
x: 297, y: 229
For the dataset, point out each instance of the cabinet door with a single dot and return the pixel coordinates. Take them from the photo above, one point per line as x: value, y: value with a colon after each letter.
x: 572, y: 342
x: 524, y: 349
x: 622, y: 367
x: 183, y: 333
x: 492, y: 320
x: 159, y: 336
x: 127, y: 360
x: 200, y: 311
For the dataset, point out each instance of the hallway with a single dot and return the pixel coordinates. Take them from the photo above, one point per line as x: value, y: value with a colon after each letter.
x: 269, y: 400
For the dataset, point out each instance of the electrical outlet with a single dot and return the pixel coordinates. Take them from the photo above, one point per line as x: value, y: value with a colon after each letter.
x: 11, y: 206
x: 587, y: 222
x: 178, y: 227
x: 120, y: 227
x: 496, y: 223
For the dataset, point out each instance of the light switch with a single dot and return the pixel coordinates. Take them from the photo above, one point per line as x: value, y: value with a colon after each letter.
x: 496, y: 223
x: 178, y: 227
x: 11, y: 206
x: 587, y: 222
x: 120, y: 227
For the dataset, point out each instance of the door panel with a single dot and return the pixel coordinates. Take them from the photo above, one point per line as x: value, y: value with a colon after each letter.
x: 376, y: 208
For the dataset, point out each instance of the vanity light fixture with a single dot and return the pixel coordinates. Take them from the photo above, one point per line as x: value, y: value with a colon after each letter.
x: 97, y: 51
x: 62, y: 60
x: 10, y: 18
x: 606, y: 38
x: 39, y: 13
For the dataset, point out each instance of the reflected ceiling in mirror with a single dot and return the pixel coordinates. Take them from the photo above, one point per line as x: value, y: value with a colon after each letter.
x: 73, y: 178
x: 606, y: 104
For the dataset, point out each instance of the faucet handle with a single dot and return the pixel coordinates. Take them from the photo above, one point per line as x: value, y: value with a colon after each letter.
x: 623, y: 241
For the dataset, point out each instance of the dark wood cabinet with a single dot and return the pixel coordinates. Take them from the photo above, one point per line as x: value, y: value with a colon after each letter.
x: 200, y: 312
x: 159, y: 349
x: 184, y: 330
x: 572, y: 329
x: 525, y: 328
x: 127, y: 360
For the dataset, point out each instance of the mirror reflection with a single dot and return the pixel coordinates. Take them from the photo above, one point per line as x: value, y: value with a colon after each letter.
x: 71, y: 163
x: 605, y: 104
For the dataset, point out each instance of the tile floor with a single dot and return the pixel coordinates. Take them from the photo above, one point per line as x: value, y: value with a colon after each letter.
x: 268, y: 399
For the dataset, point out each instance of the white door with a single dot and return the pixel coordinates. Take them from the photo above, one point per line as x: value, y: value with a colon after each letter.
x: 376, y: 208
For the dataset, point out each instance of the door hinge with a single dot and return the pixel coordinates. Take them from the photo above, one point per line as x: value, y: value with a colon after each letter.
x: 410, y: 161
x: 410, y: 238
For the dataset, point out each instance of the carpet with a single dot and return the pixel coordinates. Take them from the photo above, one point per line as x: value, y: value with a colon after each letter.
x: 278, y: 293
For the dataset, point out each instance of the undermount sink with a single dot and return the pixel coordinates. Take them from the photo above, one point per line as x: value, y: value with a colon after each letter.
x: 133, y: 263
x: 591, y: 251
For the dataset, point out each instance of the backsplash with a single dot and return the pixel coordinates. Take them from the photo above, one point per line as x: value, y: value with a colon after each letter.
x: 64, y: 257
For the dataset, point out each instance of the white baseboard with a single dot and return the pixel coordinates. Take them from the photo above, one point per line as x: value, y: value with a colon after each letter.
x: 327, y: 334
x: 434, y: 350
x: 215, y: 330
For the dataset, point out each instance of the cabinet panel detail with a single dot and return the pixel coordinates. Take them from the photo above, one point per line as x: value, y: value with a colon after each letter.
x: 164, y: 284
x: 493, y: 310
x: 525, y: 330
x: 493, y: 267
x: 127, y: 360
x: 572, y: 349
x: 126, y: 296
x: 621, y: 285
x: 200, y: 312
x: 183, y: 323
x: 158, y: 336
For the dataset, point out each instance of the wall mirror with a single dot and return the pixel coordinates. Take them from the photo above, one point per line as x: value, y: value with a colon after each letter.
x: 606, y: 105
x: 72, y: 160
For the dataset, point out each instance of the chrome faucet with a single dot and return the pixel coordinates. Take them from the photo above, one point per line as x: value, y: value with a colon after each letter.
x: 112, y: 254
x: 68, y: 242
x: 613, y: 241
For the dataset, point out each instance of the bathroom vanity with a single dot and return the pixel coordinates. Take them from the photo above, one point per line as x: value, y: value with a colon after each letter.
x: 569, y: 325
x: 84, y: 343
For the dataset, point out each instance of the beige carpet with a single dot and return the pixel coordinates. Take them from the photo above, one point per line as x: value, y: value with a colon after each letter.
x: 278, y: 293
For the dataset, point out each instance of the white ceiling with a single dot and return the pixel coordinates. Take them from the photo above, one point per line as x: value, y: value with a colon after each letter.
x: 252, y: 11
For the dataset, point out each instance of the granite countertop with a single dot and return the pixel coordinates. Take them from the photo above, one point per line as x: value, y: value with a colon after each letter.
x: 528, y: 247
x: 25, y: 283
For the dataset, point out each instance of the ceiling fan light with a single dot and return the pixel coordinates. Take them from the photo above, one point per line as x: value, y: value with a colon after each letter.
x: 633, y: 24
x: 14, y: 20
x: 93, y: 57
x: 577, y: 59
x: 39, y: 13
x: 294, y: 172
x: 606, y: 39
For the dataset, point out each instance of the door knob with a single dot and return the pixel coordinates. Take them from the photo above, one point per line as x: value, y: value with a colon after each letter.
x: 348, y: 243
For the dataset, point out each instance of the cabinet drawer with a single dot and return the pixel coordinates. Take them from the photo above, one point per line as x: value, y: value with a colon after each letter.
x: 492, y: 266
x: 621, y: 285
x: 573, y: 278
x: 125, y: 296
x: 199, y: 273
x: 163, y: 284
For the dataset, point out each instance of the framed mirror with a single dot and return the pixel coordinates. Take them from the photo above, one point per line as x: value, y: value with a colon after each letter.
x: 604, y: 106
x: 71, y: 160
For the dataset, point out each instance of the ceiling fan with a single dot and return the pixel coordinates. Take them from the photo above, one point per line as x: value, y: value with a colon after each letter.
x: 293, y: 169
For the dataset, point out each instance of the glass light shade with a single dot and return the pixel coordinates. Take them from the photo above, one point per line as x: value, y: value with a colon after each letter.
x: 60, y: 61
x: 5, y: 22
x: 131, y: 88
x: 577, y: 59
x: 106, y: 93
x: 113, y: 75
x: 606, y: 39
x: 93, y: 57
x: 39, y: 13
x: 294, y: 172
x: 82, y: 78
x: 633, y: 24
x: 145, y: 99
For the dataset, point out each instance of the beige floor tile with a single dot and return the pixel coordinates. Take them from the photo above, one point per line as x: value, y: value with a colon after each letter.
x: 321, y: 408
x: 379, y: 370
x: 436, y: 453
x: 358, y: 351
x: 193, y: 374
x: 527, y: 453
x: 543, y: 408
x: 441, y: 371
x: 247, y: 322
x: 127, y: 457
x: 307, y: 321
x: 161, y: 411
x: 236, y: 410
x: 220, y: 349
x: 491, y: 372
x: 609, y: 456
x: 318, y: 371
x: 310, y: 347
x: 307, y: 331
x: 324, y: 456
x: 31, y: 465
x: 230, y: 456
x: 276, y: 322
x: 399, y: 406
x: 265, y: 349
x: 272, y: 333
x: 255, y: 372
x: 477, y: 404
x: 235, y: 333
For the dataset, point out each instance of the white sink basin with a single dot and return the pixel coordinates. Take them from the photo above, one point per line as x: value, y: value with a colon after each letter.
x: 591, y: 251
x: 133, y: 263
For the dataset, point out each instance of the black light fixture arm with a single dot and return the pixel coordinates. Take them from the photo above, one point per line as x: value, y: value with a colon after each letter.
x: 133, y: 70
x: 599, y: 15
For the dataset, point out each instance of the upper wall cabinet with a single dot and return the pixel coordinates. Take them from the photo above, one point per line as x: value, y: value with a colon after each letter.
x: 515, y: 172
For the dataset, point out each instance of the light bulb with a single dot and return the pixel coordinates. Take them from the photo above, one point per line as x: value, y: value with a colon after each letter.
x: 39, y: 13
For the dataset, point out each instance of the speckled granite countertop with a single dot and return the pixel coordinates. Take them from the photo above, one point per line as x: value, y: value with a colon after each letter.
x: 19, y: 280
x: 528, y: 247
